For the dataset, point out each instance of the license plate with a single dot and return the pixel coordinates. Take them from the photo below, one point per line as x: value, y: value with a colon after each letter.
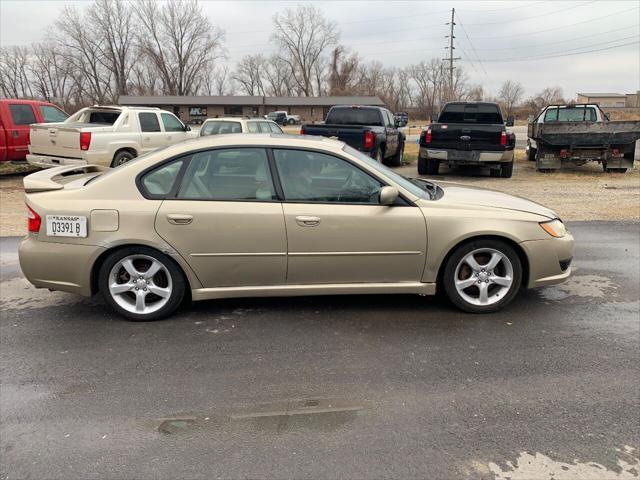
x: 66, y: 226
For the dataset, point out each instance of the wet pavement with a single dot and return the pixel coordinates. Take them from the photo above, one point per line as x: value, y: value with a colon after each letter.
x: 330, y: 387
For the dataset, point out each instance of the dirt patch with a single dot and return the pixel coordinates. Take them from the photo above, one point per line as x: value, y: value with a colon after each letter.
x: 13, y: 212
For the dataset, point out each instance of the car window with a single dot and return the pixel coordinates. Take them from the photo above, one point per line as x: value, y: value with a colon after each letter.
x: 161, y: 180
x: 220, y: 128
x: 149, y: 122
x: 355, y: 116
x: 571, y: 114
x: 470, y: 113
x: 171, y: 123
x: 229, y: 174
x: 253, y: 127
x: 275, y: 128
x: 52, y: 114
x: 22, y: 114
x: 264, y: 127
x: 317, y: 177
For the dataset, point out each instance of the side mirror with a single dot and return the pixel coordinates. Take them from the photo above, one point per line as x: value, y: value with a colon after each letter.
x: 388, y: 195
x: 187, y: 128
x: 396, y: 123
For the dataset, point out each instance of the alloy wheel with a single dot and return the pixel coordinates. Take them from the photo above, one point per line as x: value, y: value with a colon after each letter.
x: 484, y: 276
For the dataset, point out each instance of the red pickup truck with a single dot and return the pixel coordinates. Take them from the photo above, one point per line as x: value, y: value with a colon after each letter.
x: 15, y: 118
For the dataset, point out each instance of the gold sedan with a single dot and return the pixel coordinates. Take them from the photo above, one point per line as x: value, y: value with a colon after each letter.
x: 273, y: 215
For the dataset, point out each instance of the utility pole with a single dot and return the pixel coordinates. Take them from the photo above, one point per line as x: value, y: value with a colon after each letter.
x: 451, y: 48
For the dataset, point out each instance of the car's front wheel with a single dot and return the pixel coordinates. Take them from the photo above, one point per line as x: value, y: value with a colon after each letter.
x: 482, y: 276
x: 141, y: 284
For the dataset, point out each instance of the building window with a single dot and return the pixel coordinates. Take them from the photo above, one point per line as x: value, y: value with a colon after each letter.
x: 233, y: 110
x: 255, y: 111
x: 313, y: 111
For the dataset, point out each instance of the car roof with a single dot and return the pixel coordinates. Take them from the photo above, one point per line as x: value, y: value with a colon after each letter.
x: 24, y: 101
x: 237, y: 119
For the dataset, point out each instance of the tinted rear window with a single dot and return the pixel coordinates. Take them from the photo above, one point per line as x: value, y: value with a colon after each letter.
x: 149, y: 122
x: 355, y: 116
x: 572, y: 114
x: 103, y: 118
x: 22, y: 114
x: 461, y: 113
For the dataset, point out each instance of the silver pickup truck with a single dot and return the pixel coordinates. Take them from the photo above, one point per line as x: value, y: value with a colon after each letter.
x: 577, y: 134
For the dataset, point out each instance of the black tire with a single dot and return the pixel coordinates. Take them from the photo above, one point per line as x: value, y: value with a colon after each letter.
x: 616, y: 170
x: 531, y: 154
x: 396, y: 160
x: 506, y: 169
x: 422, y: 166
x: 291, y: 121
x: 433, y: 166
x: 177, y: 282
x: 379, y: 155
x: 123, y: 156
x: 448, y: 278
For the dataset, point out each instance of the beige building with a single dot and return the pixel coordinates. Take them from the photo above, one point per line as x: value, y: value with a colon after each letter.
x: 190, y: 108
x: 604, y: 99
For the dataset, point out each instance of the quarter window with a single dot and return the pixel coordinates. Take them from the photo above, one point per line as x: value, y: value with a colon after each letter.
x: 171, y: 123
x: 160, y: 182
x: 149, y: 122
x: 230, y: 174
x: 316, y: 177
x: 52, y: 114
x: 22, y: 114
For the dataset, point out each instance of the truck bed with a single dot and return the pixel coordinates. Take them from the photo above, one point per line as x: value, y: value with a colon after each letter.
x: 352, y: 135
x: 585, y: 134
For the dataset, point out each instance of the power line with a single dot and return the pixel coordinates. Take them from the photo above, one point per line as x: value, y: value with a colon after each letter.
x: 451, y: 58
x: 473, y: 48
x: 535, y: 16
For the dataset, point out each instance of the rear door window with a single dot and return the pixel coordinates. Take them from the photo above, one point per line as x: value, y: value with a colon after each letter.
x: 22, y: 114
x: 52, y: 114
x: 149, y: 122
x: 275, y: 128
x: 252, y: 127
x: 264, y: 127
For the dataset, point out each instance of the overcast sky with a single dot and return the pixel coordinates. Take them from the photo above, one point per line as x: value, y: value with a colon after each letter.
x: 497, y: 40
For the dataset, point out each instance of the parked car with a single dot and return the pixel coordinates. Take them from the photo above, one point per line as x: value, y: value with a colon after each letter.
x: 282, y: 117
x: 15, y: 118
x: 403, y: 118
x: 218, y: 126
x: 108, y: 136
x: 372, y: 130
x: 577, y: 134
x: 252, y: 215
x: 468, y: 133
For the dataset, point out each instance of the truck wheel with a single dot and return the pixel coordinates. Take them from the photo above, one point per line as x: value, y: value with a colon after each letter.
x: 433, y: 166
x: 122, y: 157
x: 531, y: 154
x: 422, y: 166
x: 291, y: 121
x: 506, y: 169
x: 396, y: 160
x: 616, y: 170
x: 379, y: 155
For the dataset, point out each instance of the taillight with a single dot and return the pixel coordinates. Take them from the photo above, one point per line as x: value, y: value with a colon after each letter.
x: 503, y: 139
x: 33, y: 220
x: 616, y: 153
x: 369, y: 140
x: 302, y: 130
x: 425, y: 136
x: 564, y: 153
x: 85, y: 140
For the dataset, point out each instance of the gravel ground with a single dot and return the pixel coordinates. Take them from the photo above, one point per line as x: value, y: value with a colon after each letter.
x: 580, y: 193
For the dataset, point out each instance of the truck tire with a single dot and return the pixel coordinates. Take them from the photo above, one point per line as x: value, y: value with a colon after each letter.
x: 433, y: 166
x: 422, y: 166
x: 379, y: 156
x: 123, y: 156
x: 291, y: 121
x: 396, y: 160
x: 506, y: 169
x: 531, y: 154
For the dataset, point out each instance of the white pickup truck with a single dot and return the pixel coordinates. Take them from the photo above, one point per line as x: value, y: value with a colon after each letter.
x: 107, y: 136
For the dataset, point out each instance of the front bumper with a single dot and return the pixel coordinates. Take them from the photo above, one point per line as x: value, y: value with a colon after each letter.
x: 466, y: 157
x: 546, y: 260
x: 58, y: 266
x: 46, y: 161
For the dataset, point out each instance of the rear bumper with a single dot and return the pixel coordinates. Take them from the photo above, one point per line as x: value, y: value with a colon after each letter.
x: 466, y: 157
x: 58, y: 266
x: 549, y: 260
x: 46, y: 161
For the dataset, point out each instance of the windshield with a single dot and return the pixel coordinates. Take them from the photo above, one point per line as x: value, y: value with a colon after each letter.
x: 470, y: 113
x: 403, y: 182
x: 355, y: 116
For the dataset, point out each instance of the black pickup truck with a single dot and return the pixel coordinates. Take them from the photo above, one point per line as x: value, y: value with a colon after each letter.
x: 372, y: 130
x: 468, y: 133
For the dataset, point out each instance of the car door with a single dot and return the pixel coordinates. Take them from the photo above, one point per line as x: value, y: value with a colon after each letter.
x: 337, y: 231
x: 174, y: 130
x: 225, y: 218
x: 392, y: 134
x: 151, y: 135
x: 17, y: 133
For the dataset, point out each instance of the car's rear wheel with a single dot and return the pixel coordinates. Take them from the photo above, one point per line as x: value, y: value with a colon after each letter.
x: 482, y: 276
x: 141, y: 284
x: 506, y: 169
x: 122, y: 157
x: 433, y: 166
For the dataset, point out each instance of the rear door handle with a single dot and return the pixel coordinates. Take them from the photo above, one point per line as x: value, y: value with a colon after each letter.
x: 179, y: 218
x: 306, y: 221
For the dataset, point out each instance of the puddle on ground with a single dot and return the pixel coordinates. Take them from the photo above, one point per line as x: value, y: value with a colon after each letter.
x: 527, y: 467
x: 591, y: 286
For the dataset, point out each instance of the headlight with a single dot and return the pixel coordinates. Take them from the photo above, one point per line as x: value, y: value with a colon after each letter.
x: 555, y: 228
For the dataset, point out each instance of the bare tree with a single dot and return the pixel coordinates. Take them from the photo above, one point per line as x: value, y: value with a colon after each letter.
x: 303, y: 36
x: 278, y: 77
x: 249, y: 74
x: 547, y: 96
x: 52, y: 74
x: 343, y: 74
x: 14, y: 66
x: 180, y: 42
x: 429, y: 80
x: 510, y: 95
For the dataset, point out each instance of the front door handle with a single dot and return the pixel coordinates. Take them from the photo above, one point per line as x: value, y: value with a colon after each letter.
x: 179, y: 218
x: 306, y: 221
